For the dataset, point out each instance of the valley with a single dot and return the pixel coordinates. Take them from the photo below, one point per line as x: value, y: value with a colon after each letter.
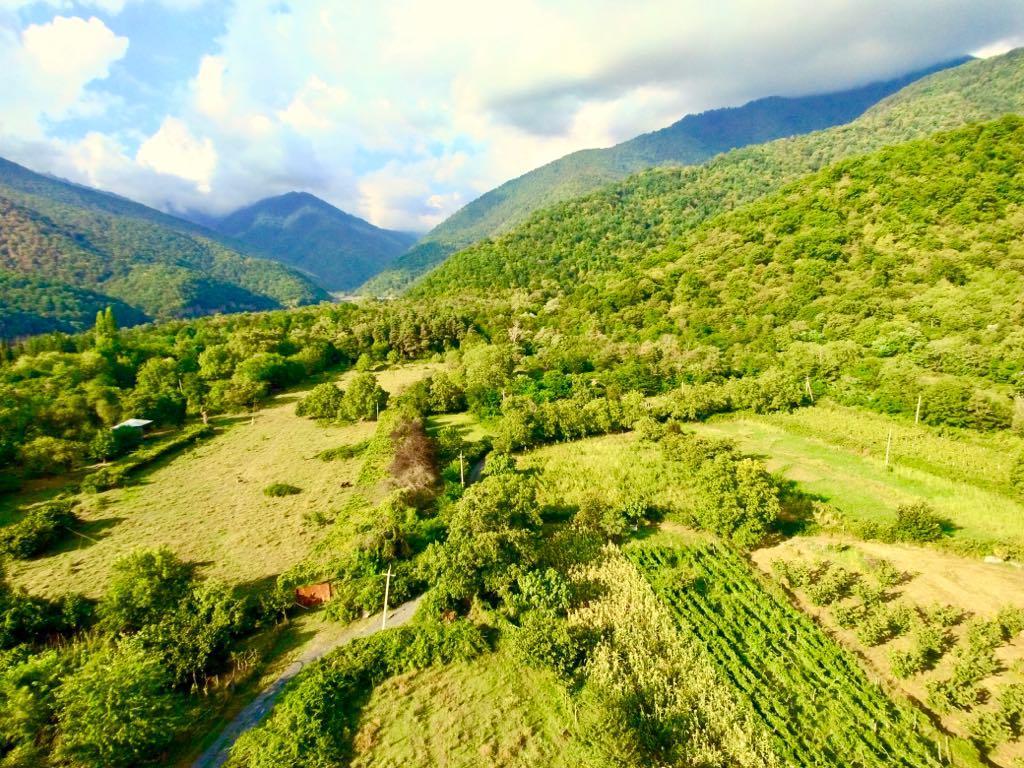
x: 703, y: 465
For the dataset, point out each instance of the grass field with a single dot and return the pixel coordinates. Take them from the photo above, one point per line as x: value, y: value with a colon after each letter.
x: 614, y: 467
x: 207, y: 503
x: 488, y: 712
x: 858, y: 483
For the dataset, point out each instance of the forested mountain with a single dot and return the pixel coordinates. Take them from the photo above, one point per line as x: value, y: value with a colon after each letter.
x: 691, y: 140
x: 571, y: 246
x: 31, y: 305
x: 75, y: 237
x: 340, y: 251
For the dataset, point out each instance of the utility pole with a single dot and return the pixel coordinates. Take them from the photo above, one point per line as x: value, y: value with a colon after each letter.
x: 888, y: 449
x: 376, y: 405
x: 917, y: 413
x: 462, y: 470
x: 807, y: 386
x: 387, y: 590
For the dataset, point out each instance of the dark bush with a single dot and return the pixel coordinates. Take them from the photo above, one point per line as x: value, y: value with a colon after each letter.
x: 916, y: 523
x: 281, y: 489
x: 39, y: 529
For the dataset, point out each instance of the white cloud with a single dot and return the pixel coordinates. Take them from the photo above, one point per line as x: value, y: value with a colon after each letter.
x: 403, y: 111
x: 49, y: 66
x: 174, y: 151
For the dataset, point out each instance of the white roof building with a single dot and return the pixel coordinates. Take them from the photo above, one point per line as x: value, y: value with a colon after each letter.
x: 134, y: 424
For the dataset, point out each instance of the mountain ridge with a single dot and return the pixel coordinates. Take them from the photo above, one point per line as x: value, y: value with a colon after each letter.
x: 70, y: 237
x: 690, y: 140
x: 569, y: 246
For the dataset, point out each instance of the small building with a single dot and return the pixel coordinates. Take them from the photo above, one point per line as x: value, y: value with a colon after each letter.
x: 312, y: 595
x: 139, y: 424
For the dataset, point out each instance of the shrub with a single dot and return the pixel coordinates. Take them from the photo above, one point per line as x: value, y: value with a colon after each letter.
x: 916, y: 523
x: 832, y: 583
x: 343, y: 451
x: 51, y: 455
x: 39, y: 529
x: 545, y: 639
x: 281, y: 489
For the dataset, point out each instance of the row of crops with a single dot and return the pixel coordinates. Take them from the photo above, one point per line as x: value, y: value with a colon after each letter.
x: 810, y: 693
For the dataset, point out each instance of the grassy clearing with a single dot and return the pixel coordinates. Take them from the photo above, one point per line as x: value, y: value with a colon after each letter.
x: 615, y: 467
x: 488, y: 712
x: 935, y: 578
x: 469, y: 426
x: 863, y: 489
x: 207, y: 504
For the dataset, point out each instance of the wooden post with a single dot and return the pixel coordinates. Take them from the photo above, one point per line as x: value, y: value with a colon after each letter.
x: 888, y: 449
x: 387, y: 590
x: 917, y: 413
x: 462, y: 470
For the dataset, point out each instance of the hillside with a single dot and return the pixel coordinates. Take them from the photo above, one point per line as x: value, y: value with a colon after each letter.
x: 338, y: 250
x: 691, y: 140
x: 571, y: 245
x: 32, y: 305
x: 83, y: 238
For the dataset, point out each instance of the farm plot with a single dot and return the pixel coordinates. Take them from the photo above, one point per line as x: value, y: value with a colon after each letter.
x: 810, y: 693
x: 865, y: 491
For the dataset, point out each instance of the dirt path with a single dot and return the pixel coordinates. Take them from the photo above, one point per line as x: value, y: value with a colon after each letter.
x: 317, y: 647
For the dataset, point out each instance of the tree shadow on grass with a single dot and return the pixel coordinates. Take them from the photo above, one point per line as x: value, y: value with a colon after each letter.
x: 798, y: 508
x: 82, y: 535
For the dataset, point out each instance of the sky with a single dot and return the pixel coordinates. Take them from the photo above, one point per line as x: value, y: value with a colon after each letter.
x: 403, y: 111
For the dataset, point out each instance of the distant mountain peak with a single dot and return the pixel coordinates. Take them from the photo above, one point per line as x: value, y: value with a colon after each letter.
x: 337, y: 249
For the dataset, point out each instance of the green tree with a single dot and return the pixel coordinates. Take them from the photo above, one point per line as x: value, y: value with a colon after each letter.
x: 492, y: 535
x: 363, y: 398
x: 144, y: 587
x: 324, y: 402
x: 736, y: 499
x: 117, y: 709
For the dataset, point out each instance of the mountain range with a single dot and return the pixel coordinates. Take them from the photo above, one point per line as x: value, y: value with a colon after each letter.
x: 692, y: 140
x: 68, y: 248
x: 573, y: 249
x: 337, y: 250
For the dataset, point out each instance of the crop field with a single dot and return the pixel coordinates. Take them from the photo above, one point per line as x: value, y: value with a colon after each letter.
x: 487, y: 712
x: 207, y: 503
x: 978, y: 458
x: 857, y: 482
x: 810, y: 693
x: 929, y: 579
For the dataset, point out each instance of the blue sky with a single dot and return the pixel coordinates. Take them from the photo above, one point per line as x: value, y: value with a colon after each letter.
x: 402, y: 111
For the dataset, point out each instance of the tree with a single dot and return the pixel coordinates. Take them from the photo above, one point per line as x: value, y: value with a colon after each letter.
x: 736, y: 499
x: 117, y: 709
x: 196, y: 635
x: 363, y: 398
x: 491, y: 539
x: 324, y: 402
x: 157, y: 395
x: 144, y: 587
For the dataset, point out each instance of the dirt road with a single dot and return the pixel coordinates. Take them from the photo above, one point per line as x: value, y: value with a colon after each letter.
x: 317, y: 647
